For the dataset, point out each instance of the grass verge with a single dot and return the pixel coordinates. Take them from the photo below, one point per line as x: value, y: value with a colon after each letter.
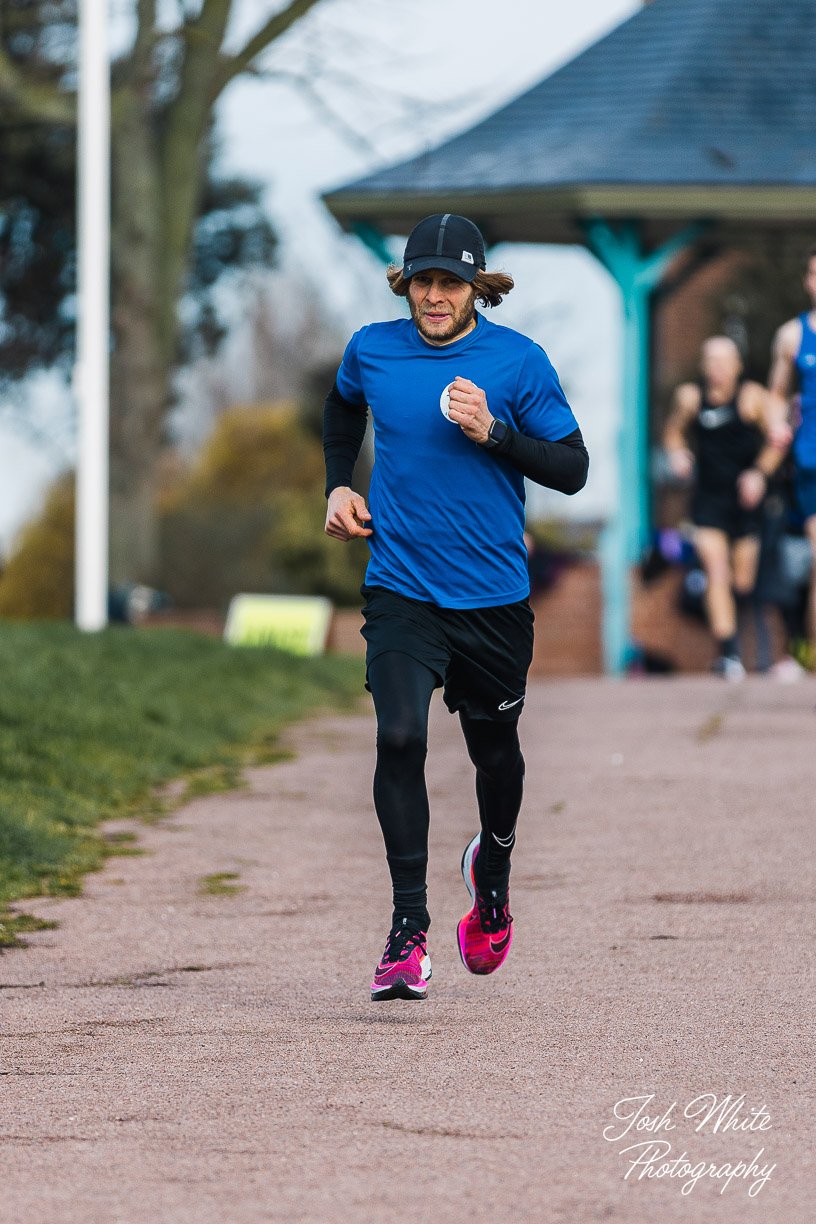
x: 92, y: 725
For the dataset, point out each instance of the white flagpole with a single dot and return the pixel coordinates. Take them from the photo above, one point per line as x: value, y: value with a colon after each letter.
x: 93, y: 323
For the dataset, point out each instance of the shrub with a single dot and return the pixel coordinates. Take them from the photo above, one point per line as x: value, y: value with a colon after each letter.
x: 38, y: 580
x: 249, y: 516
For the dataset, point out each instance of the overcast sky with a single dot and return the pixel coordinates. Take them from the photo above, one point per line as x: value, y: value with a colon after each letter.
x: 393, y: 77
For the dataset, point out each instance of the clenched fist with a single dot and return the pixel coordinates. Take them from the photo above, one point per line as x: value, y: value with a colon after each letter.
x: 468, y: 408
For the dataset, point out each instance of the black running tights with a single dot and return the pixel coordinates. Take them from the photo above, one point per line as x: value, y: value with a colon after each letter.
x: 401, y: 687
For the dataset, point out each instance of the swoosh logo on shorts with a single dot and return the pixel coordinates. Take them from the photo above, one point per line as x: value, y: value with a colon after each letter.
x: 507, y: 705
x: 501, y: 944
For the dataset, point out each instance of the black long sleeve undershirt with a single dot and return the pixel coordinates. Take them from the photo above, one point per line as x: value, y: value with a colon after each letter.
x: 560, y: 465
x: 344, y: 426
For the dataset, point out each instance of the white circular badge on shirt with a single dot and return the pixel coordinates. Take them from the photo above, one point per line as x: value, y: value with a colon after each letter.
x: 444, y: 402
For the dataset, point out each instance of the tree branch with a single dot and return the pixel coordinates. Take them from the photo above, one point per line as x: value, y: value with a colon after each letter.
x: 182, y: 145
x: 234, y: 65
x: 305, y: 80
x: 332, y: 117
x: 42, y: 103
x: 146, y: 36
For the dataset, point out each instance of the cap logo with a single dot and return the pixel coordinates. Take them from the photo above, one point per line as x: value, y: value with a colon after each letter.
x: 467, y: 257
x: 407, y: 267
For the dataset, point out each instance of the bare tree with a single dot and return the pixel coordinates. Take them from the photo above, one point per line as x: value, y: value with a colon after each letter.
x: 284, y: 334
x: 164, y: 93
x: 165, y: 89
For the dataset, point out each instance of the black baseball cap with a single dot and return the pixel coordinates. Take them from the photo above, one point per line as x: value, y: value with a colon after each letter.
x: 445, y: 241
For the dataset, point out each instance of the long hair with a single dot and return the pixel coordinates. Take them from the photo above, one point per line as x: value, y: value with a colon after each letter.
x: 489, y: 287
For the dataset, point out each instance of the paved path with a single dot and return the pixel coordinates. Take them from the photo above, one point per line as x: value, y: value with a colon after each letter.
x: 166, y: 1056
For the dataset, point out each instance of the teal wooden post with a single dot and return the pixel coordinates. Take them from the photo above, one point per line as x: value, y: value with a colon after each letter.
x: 371, y: 237
x: 627, y: 532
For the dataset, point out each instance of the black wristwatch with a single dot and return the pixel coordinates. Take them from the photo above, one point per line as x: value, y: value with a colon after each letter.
x: 495, y: 434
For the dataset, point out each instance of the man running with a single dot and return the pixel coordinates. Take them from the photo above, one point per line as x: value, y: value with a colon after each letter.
x: 794, y: 362
x: 463, y: 410
x: 719, y: 429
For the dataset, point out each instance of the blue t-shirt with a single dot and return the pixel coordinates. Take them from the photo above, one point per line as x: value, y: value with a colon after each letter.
x: 804, y: 443
x: 447, y: 516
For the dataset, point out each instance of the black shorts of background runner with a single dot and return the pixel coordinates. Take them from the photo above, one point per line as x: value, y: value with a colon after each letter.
x: 480, y: 655
x: 724, y: 512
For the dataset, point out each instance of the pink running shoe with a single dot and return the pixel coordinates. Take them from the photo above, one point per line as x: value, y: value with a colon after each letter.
x: 405, y: 965
x: 485, y: 934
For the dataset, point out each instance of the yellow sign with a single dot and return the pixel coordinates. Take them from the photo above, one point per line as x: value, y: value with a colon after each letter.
x: 297, y: 623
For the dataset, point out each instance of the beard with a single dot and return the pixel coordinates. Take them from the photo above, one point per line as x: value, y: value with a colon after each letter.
x: 457, y: 323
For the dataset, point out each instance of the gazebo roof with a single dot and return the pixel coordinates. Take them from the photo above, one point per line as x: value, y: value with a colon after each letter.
x: 690, y: 109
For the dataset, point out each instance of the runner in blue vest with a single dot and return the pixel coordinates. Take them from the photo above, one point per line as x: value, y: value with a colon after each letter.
x: 794, y: 363
x: 463, y: 410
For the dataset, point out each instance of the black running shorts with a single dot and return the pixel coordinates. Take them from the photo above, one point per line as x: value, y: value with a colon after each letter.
x: 480, y: 655
x: 723, y: 511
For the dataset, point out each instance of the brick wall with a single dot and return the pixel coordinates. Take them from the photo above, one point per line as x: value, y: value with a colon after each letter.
x: 568, y: 626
